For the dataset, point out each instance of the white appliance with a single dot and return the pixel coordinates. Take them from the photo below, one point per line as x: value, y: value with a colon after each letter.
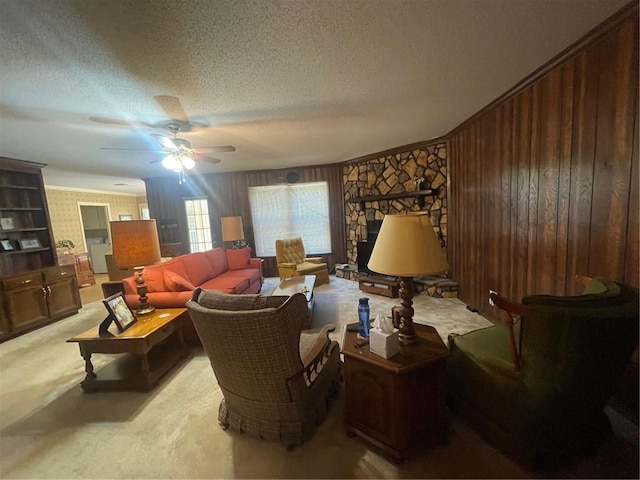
x: 97, y: 252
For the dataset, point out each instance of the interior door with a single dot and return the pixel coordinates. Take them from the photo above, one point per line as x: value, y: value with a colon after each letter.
x: 94, y: 218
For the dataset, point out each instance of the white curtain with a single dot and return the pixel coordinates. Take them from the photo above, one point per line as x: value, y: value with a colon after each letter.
x: 297, y: 210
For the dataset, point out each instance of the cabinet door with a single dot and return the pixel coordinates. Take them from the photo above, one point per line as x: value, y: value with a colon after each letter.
x: 26, y: 308
x: 4, y: 318
x: 63, y: 297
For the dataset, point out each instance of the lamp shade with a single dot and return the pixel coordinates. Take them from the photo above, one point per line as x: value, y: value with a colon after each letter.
x: 232, y: 229
x: 135, y: 243
x: 407, y: 246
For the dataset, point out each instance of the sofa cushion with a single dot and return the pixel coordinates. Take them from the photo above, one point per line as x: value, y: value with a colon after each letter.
x: 154, y: 279
x: 239, y: 259
x: 218, y: 261
x: 227, y: 284
x: 176, y: 265
x: 250, y: 274
x: 176, y: 282
x: 197, y: 267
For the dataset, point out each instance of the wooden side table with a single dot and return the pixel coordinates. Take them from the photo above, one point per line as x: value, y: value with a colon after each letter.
x: 155, y: 344
x: 397, y: 404
x: 84, y: 270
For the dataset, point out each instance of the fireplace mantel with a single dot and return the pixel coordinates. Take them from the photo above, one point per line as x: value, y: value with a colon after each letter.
x: 419, y: 194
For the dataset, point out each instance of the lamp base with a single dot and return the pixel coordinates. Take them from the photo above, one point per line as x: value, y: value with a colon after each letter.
x: 407, y: 333
x: 145, y: 310
x: 408, y: 339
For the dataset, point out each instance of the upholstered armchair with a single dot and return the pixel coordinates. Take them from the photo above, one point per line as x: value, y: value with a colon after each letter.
x: 537, y: 386
x: 292, y: 260
x: 276, y: 381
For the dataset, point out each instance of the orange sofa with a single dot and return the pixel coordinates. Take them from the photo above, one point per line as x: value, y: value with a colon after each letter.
x: 170, y: 284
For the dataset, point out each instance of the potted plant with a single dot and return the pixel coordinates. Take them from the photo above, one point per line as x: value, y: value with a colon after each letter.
x: 66, y: 245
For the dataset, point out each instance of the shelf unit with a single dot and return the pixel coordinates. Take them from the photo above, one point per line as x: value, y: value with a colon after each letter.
x: 419, y: 195
x: 23, y: 216
x: 34, y: 289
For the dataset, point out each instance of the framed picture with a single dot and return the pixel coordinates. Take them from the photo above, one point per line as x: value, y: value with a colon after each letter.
x: 6, y: 223
x: 119, y: 311
x: 125, y: 217
x: 29, y: 243
x: 6, y: 246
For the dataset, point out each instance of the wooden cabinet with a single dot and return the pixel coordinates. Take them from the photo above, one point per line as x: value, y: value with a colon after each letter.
x: 34, y: 289
x: 115, y: 272
x: 398, y: 403
x: 84, y: 270
x: 38, y: 298
x: 24, y: 218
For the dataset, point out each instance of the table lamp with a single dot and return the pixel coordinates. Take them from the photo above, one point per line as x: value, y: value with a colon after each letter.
x: 232, y: 231
x: 407, y: 247
x: 135, y: 244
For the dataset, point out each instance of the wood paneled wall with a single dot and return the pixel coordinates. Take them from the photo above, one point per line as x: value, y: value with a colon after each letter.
x: 544, y: 184
x: 228, y: 195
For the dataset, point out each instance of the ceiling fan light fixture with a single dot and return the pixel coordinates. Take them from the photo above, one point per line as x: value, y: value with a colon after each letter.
x: 172, y: 162
x: 188, y: 162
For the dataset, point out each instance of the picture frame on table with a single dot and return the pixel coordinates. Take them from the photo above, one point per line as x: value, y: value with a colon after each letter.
x: 6, y: 223
x: 7, y: 246
x: 119, y: 312
x: 29, y: 243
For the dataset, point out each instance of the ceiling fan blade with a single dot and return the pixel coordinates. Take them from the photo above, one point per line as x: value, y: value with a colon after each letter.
x: 204, y: 158
x: 219, y: 148
x: 132, y: 150
x: 166, y: 143
x: 116, y: 121
x: 172, y: 107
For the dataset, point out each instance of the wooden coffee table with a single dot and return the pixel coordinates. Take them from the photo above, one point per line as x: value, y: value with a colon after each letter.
x: 298, y: 284
x: 153, y: 344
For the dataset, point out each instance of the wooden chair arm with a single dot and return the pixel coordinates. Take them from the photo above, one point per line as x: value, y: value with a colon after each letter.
x: 321, y: 340
x: 512, y: 309
x: 287, y: 264
x: 315, y: 357
x: 112, y: 287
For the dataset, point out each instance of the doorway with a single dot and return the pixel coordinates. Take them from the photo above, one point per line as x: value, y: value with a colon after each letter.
x: 94, y: 221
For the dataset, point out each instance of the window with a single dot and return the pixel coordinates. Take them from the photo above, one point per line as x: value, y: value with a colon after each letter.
x: 199, y: 224
x: 298, y: 210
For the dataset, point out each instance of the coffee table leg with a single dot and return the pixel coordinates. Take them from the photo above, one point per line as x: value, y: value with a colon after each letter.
x: 146, y: 379
x: 87, y: 384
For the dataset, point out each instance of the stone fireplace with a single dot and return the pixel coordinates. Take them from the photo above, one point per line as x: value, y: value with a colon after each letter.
x: 407, y: 181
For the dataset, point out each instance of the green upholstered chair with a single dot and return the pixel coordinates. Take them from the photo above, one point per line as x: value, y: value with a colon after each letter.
x: 537, y: 388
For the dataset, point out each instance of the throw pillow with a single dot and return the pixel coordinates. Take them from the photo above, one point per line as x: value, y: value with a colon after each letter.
x: 176, y: 283
x: 239, y: 259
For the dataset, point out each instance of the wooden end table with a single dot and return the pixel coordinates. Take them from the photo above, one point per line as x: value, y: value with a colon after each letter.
x: 398, y: 404
x: 298, y: 284
x: 155, y: 345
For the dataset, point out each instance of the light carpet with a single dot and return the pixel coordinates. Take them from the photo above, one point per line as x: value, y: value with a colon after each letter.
x: 50, y: 429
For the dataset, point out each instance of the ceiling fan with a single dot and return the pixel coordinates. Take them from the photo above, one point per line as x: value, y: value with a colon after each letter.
x: 178, y: 155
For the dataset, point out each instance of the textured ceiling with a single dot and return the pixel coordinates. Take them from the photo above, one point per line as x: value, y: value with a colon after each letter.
x: 288, y: 83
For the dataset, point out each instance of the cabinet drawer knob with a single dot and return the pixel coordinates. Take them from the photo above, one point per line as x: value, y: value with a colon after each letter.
x: 61, y: 274
x: 25, y: 282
